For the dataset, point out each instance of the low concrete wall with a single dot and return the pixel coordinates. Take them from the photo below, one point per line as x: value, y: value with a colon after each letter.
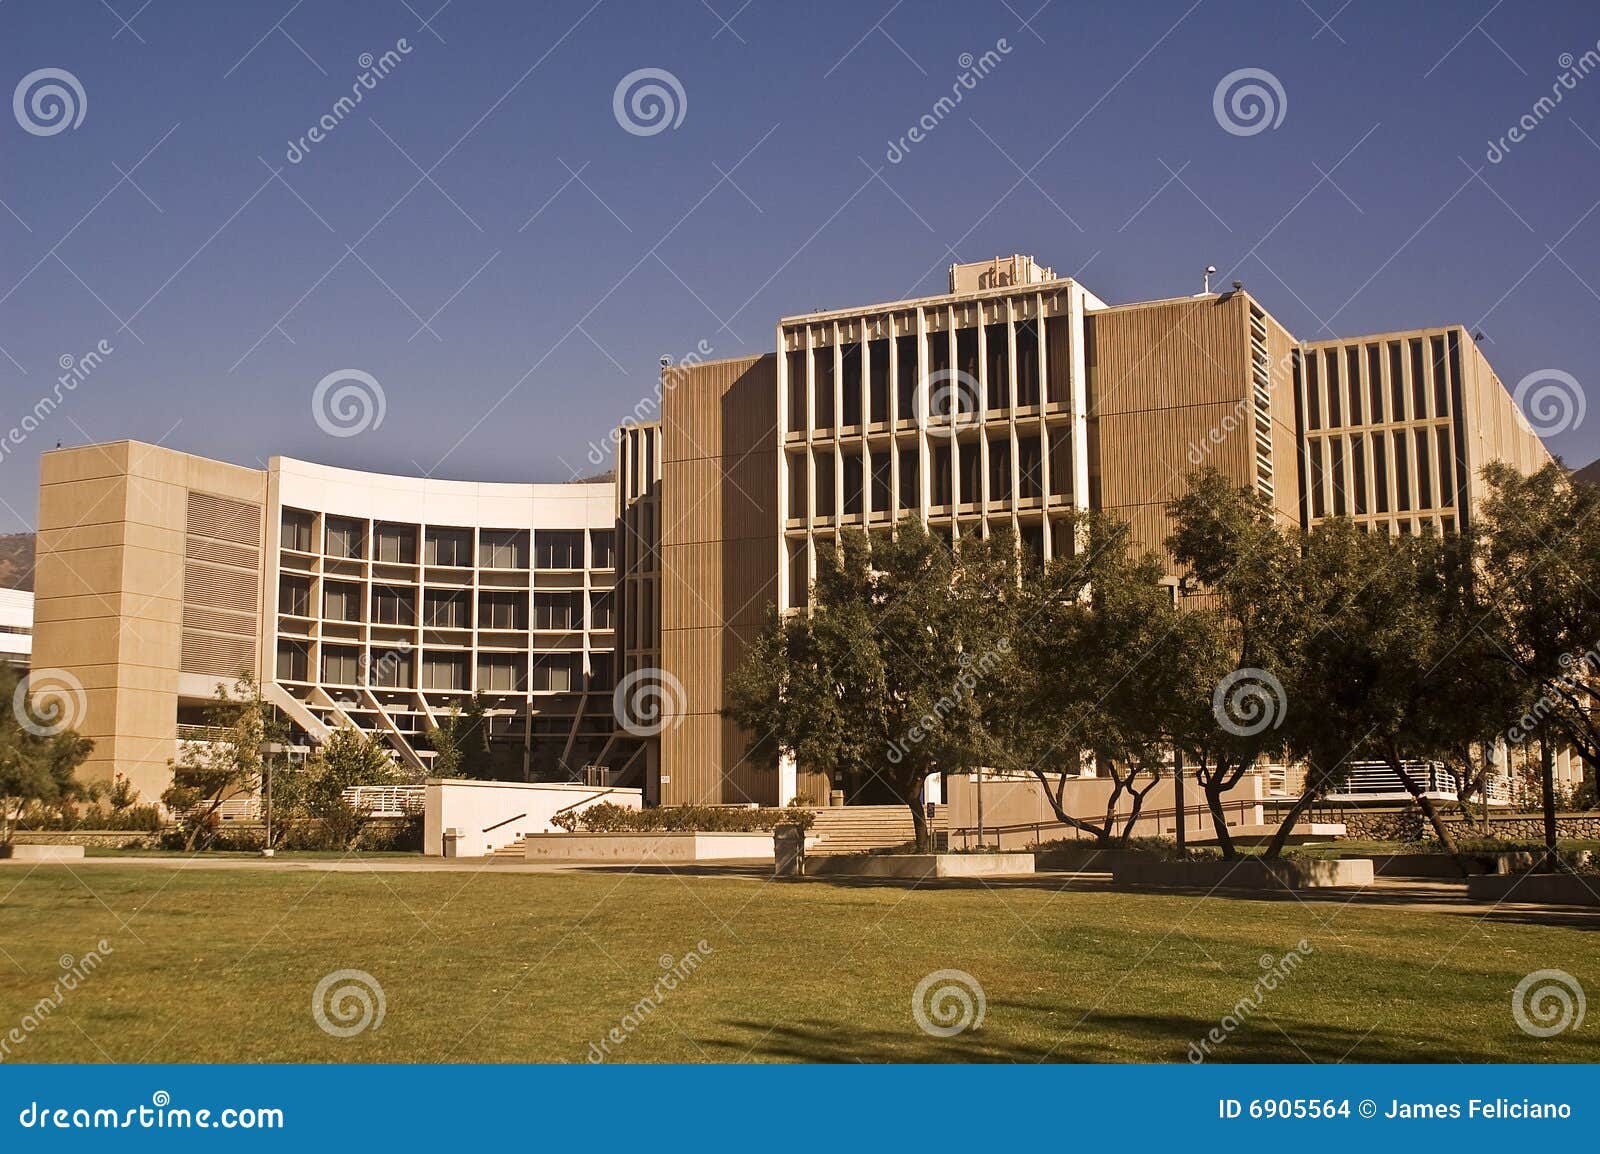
x: 481, y: 809
x: 1406, y: 823
x: 1086, y: 857
x: 1441, y: 865
x: 648, y: 848
x: 1246, y: 873
x: 922, y: 865
x: 107, y: 838
x: 27, y: 852
x: 1550, y: 889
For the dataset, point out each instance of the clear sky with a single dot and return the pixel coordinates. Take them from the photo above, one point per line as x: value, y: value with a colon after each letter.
x: 484, y: 236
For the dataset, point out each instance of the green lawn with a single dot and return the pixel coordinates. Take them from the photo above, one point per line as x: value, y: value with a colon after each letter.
x: 213, y: 965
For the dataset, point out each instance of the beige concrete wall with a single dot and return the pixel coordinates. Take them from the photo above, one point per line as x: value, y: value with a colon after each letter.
x: 515, y: 808
x: 109, y: 592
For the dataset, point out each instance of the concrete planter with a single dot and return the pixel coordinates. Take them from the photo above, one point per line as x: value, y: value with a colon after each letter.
x: 1546, y: 889
x: 918, y: 866
x: 1078, y: 858
x: 42, y: 852
x: 649, y: 848
x: 1442, y: 865
x: 1245, y: 874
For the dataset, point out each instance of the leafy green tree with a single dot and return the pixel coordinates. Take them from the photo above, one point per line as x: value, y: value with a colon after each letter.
x: 461, y: 743
x: 208, y: 773
x: 37, y: 766
x: 349, y: 758
x: 876, y: 683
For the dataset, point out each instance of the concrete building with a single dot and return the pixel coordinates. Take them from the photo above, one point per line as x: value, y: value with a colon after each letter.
x: 602, y: 619
x: 16, y: 626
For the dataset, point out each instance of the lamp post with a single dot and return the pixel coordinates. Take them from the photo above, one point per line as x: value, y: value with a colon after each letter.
x: 268, y: 749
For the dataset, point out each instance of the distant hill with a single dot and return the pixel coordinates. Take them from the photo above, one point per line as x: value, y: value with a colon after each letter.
x: 16, y: 561
x: 1589, y: 473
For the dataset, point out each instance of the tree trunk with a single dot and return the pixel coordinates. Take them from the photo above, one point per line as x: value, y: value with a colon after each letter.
x: 1431, y: 812
x: 1302, y: 803
x: 1213, y: 791
x: 1547, y: 782
x: 919, y: 820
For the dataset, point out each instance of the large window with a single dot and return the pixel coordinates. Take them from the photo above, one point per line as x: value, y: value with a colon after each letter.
x: 503, y: 611
x: 394, y: 605
x: 503, y: 549
x: 559, y: 549
x: 447, y: 611
x: 997, y: 357
x: 1028, y: 387
x: 602, y: 613
x: 341, y: 665
x: 391, y: 669
x: 558, y: 610
x: 396, y: 544
x: 452, y: 547
x: 850, y: 383
x: 294, y: 596
x: 346, y: 537
x: 603, y: 549
x: 558, y: 674
x: 341, y: 601
x: 444, y: 671
x: 822, y: 397
x: 878, y: 381
x: 296, y: 532
x: 502, y: 674
x: 294, y: 661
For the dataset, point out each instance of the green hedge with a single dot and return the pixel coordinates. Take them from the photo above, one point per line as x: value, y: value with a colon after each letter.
x: 604, y: 817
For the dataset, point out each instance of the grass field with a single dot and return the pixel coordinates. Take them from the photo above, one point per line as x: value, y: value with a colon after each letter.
x: 214, y: 965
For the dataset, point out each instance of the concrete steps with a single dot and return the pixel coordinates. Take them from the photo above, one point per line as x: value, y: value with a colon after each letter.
x: 512, y: 852
x: 859, y: 828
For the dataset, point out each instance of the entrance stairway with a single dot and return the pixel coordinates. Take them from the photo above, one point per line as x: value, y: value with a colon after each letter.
x: 512, y: 852
x: 842, y: 829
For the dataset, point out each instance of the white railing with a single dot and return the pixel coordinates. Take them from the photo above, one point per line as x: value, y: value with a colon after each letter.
x: 1369, y: 780
x: 385, y: 800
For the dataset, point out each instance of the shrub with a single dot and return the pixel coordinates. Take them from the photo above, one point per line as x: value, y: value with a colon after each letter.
x: 605, y: 817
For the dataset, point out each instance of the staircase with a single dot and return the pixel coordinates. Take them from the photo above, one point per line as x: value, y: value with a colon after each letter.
x: 512, y: 852
x: 859, y: 828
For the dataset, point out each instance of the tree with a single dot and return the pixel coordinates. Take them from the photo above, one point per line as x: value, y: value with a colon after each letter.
x: 347, y: 759
x: 461, y: 743
x: 1243, y: 583
x: 207, y: 773
x: 875, y: 684
x: 38, y: 762
x: 1541, y: 540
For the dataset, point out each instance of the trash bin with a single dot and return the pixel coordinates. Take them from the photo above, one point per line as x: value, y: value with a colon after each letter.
x: 836, y: 797
x: 451, y: 837
x: 788, y: 851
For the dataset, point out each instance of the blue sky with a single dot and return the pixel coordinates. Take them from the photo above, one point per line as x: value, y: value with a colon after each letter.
x: 513, y: 303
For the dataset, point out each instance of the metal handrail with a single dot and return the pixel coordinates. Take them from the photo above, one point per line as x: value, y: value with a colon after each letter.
x: 498, y: 824
x: 1242, y: 806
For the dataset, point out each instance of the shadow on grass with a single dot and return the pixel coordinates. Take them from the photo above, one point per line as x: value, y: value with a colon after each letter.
x: 1172, y: 1038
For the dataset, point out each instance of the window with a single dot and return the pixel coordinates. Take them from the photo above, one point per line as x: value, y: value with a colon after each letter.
x: 1402, y: 474
x: 1441, y: 380
x: 1058, y: 336
x: 1000, y: 469
x: 1380, y: 473
x: 997, y: 364
x: 340, y: 601
x: 396, y: 544
x: 1375, y: 383
x: 557, y: 674
x: 1061, y: 462
x: 1027, y: 365
x: 940, y: 476
x: 345, y: 537
x: 392, y: 669
x: 967, y: 359
x: 1419, y: 383
x: 447, y: 611
x: 851, y: 383
x: 559, y: 549
x: 882, y: 495
x: 1353, y: 375
x: 1033, y: 542
x: 853, y: 484
x: 797, y: 484
x: 1446, y: 481
x: 1397, y: 383
x: 602, y: 612
x: 1336, y: 464
x: 825, y: 486
x: 1030, y: 466
x: 502, y: 549
x: 971, y: 473
x: 1313, y: 392
x: 449, y: 547
x: 1424, y: 471
x: 294, y: 597
x: 341, y: 665
x: 600, y: 672
x: 602, y: 549
x: 296, y: 533
x: 799, y: 579
x: 905, y: 352
x: 1331, y: 361
x: 558, y: 610
x: 444, y: 671
x: 294, y: 661
x: 1358, y: 472
x: 910, y: 482
x: 797, y: 391
x: 393, y: 605
x: 938, y: 362
x: 501, y: 675
x: 822, y: 398
x: 1319, y: 504
x: 878, y: 381
x: 502, y: 611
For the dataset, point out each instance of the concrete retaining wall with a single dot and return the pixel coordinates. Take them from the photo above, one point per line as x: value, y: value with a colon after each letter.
x: 923, y: 865
x: 1551, y: 889
x: 1246, y: 873
x: 491, y: 814
x: 25, y: 852
x: 648, y: 848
